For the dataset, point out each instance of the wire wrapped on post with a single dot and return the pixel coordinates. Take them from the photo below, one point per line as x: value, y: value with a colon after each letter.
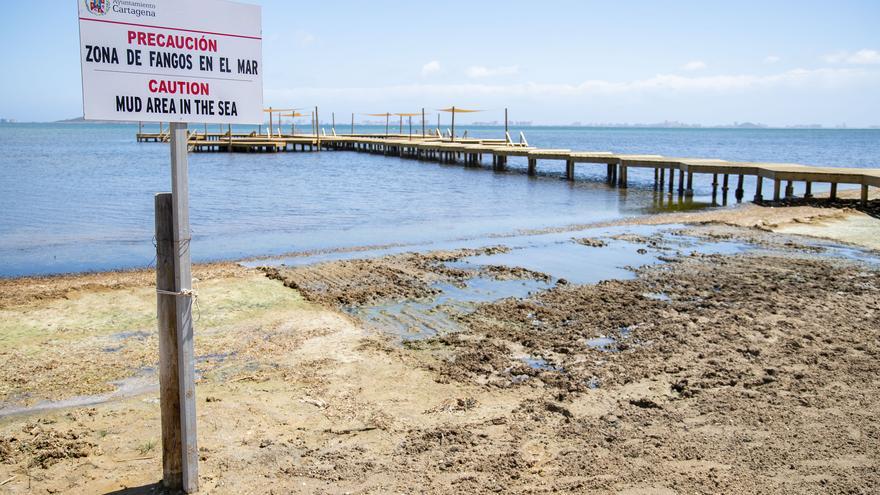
x: 185, y: 293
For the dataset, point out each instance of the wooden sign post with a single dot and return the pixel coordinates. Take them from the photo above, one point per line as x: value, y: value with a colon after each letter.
x: 183, y: 308
x: 220, y: 81
x: 169, y: 384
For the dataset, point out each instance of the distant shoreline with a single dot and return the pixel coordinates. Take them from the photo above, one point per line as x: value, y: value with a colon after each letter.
x: 687, y: 127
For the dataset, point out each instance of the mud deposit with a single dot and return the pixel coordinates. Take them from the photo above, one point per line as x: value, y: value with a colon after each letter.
x: 628, y: 359
x: 367, y: 281
x: 749, y: 371
x: 758, y: 374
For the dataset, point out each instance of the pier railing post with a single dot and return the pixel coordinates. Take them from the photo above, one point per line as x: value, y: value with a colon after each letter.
x: 452, y: 133
x: 271, y: 122
x: 317, y: 133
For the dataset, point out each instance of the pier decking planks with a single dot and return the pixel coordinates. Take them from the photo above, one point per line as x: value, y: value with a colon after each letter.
x: 470, y: 151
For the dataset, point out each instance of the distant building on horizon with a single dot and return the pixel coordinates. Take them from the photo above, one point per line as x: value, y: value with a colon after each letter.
x: 806, y: 126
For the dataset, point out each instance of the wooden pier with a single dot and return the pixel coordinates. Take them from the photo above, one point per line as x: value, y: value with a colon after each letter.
x: 676, y: 174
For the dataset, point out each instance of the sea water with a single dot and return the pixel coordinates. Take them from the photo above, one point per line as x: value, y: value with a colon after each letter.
x: 79, y: 197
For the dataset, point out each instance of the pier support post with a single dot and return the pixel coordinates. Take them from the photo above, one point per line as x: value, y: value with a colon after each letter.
x: 833, y: 194
x: 569, y: 170
x: 689, y: 192
x: 714, y: 189
x: 671, y: 180
x: 758, y: 187
x: 656, y: 178
x: 808, y: 192
x: 776, y: 189
x: 789, y: 190
x: 623, y: 176
x: 740, y: 193
x: 864, y: 195
x: 610, y: 172
x: 662, y: 176
x: 680, y: 182
x: 533, y: 166
x: 725, y: 187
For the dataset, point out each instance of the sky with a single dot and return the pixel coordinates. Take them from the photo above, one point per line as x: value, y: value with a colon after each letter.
x: 550, y: 62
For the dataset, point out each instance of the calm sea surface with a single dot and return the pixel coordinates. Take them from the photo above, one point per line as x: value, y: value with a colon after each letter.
x: 80, y: 197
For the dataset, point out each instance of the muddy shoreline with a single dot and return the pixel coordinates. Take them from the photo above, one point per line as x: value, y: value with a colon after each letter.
x: 721, y: 357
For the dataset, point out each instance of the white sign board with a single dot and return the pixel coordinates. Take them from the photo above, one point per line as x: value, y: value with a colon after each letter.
x: 171, y: 61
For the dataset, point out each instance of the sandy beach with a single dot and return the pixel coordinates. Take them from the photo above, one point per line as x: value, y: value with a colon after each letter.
x: 255, y: 247
x: 749, y: 371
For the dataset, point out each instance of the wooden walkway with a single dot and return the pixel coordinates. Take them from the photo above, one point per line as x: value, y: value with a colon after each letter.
x: 676, y: 174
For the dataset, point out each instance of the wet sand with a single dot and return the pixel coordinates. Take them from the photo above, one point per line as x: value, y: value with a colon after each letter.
x: 737, y: 371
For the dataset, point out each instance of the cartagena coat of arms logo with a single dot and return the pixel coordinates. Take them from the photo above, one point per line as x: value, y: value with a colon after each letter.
x: 97, y: 7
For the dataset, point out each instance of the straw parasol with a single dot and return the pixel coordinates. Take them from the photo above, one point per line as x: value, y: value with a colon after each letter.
x: 453, y: 110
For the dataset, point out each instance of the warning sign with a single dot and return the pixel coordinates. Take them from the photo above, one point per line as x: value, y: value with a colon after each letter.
x: 171, y: 61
